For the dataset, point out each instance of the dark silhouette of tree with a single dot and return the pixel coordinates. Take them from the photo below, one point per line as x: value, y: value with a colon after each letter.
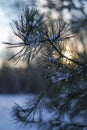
x: 66, y: 93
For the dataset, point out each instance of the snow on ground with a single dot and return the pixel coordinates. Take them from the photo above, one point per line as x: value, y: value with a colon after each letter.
x: 6, y: 121
x: 6, y: 102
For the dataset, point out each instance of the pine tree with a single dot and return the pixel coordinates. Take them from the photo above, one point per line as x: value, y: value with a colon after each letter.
x: 64, y: 95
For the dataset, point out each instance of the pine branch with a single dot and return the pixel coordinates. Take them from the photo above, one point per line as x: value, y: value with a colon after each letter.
x: 26, y: 114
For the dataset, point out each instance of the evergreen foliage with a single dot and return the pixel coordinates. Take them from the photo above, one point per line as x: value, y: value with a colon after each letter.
x: 65, y: 94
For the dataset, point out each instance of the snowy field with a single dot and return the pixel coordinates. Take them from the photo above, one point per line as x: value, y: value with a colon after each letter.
x: 6, y: 102
x: 7, y: 122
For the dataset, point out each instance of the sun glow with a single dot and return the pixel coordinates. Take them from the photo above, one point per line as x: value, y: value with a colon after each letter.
x: 68, y: 55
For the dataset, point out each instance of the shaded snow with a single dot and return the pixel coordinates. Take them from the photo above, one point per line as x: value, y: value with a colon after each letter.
x: 7, y: 123
x: 6, y: 102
